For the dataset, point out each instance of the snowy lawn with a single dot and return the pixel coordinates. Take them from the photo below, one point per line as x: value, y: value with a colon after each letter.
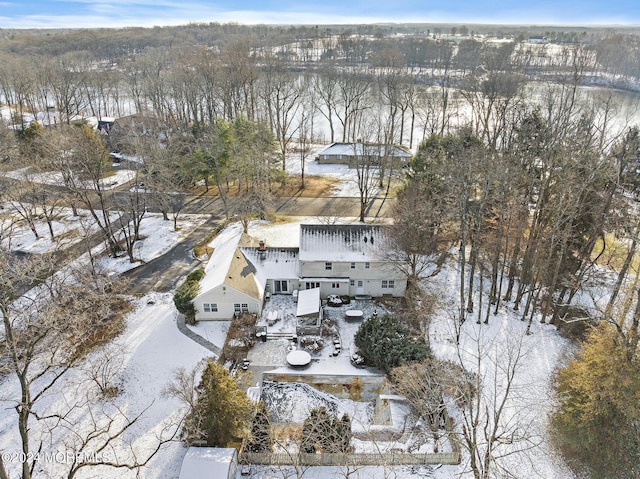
x: 213, y: 331
x: 498, y: 344
x: 153, y: 349
x: 67, y: 229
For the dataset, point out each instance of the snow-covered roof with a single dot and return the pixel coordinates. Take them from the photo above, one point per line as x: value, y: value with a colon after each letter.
x: 228, y: 265
x: 273, y: 263
x: 207, y: 462
x: 354, y: 243
x: 308, y: 302
x: 220, y: 260
x: 353, y: 149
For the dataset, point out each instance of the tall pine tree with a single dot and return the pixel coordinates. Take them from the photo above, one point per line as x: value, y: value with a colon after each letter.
x: 221, y: 412
x: 597, y: 423
x: 261, y: 439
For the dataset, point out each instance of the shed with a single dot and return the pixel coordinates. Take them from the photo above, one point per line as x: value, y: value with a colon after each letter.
x: 209, y: 463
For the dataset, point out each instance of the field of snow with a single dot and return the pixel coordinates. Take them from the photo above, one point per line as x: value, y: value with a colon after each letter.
x: 497, y: 344
x: 153, y: 350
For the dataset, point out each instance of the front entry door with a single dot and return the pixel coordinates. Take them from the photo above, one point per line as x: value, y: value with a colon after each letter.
x: 360, y: 288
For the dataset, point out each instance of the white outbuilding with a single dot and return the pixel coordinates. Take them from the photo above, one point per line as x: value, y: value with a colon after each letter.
x: 209, y: 463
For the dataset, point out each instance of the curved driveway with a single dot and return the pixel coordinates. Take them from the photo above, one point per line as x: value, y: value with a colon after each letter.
x: 163, y: 273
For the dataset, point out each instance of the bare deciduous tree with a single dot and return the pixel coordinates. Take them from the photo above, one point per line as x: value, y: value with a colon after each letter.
x: 496, y: 421
x: 46, y: 336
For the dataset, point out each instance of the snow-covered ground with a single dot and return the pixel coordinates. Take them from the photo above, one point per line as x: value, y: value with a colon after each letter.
x: 498, y: 343
x: 118, y: 178
x: 158, y: 236
x: 154, y: 349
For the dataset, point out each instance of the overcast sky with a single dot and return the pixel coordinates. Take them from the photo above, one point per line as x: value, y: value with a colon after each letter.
x: 121, y: 13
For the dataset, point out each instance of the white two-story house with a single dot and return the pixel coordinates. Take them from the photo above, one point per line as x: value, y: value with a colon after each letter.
x: 339, y: 259
x: 348, y: 260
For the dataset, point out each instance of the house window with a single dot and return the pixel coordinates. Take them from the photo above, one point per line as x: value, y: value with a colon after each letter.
x: 352, y: 282
x: 210, y: 307
x: 236, y: 308
x: 339, y: 157
x: 353, y: 266
x: 326, y: 157
x: 328, y: 266
x: 245, y: 308
x: 311, y: 285
x: 388, y: 283
x: 367, y: 265
x: 335, y: 285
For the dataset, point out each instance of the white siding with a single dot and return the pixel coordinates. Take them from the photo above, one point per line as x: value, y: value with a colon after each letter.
x: 225, y: 297
x: 371, y: 277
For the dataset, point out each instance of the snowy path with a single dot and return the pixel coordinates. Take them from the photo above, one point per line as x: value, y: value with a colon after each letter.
x: 182, y: 327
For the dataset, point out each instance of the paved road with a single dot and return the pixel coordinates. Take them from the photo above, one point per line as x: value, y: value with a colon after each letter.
x: 300, y: 206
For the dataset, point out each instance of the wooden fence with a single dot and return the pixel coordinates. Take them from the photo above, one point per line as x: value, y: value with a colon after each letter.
x: 327, y: 459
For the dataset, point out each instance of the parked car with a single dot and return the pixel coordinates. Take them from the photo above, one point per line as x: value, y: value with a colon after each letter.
x: 245, y: 364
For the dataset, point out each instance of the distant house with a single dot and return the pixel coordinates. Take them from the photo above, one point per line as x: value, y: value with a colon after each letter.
x: 334, y: 259
x: 209, y: 463
x: 125, y: 129
x: 538, y: 40
x: 131, y: 123
x: 351, y: 153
